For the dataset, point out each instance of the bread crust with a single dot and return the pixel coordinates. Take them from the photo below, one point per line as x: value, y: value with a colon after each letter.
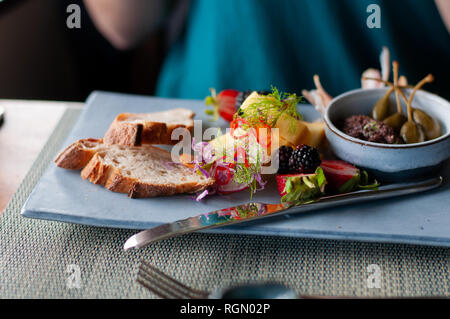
x: 98, y: 172
x: 75, y: 156
x: 148, y: 132
x: 122, y: 133
x: 141, y: 190
x: 106, y: 175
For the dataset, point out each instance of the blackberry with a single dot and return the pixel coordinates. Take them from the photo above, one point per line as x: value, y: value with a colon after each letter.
x: 304, y: 159
x: 284, y: 154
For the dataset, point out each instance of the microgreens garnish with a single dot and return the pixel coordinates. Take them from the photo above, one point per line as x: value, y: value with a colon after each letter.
x: 237, y: 160
x: 268, y: 108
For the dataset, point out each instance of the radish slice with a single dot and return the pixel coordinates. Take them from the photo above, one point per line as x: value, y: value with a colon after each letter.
x: 231, y: 187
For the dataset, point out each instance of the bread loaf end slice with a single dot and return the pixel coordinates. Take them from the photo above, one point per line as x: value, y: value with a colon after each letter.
x: 77, y: 155
x: 144, y: 171
x: 134, y: 129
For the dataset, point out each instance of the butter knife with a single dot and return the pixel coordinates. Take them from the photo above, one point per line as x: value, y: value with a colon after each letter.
x: 256, y: 211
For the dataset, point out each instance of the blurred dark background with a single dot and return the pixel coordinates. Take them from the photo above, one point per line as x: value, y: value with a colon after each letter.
x: 41, y: 58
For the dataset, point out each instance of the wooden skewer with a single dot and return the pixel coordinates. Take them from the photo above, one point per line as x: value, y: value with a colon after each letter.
x: 429, y: 78
x: 405, y: 99
x: 397, y: 98
x: 387, y: 82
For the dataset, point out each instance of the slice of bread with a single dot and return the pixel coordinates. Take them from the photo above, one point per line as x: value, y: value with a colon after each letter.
x: 144, y: 171
x: 134, y: 129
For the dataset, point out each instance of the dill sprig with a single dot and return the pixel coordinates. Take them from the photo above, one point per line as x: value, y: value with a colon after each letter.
x: 246, y: 175
x: 269, y: 108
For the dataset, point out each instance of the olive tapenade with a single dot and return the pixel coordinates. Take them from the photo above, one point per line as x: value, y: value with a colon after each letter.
x: 366, y: 128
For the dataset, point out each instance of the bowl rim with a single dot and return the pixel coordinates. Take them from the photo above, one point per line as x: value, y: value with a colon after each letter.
x: 349, y: 138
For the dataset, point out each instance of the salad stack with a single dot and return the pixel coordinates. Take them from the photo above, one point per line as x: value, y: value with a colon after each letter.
x: 268, y: 136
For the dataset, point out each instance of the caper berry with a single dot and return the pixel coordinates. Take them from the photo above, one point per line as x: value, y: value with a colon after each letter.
x: 412, y: 133
x: 430, y: 126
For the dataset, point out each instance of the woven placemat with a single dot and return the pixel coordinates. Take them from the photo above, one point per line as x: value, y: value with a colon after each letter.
x: 44, y: 259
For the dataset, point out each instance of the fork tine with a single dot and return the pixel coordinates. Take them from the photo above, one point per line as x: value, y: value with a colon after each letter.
x: 161, y: 288
x: 177, y: 285
x: 170, y: 285
x: 159, y: 293
x: 152, y: 276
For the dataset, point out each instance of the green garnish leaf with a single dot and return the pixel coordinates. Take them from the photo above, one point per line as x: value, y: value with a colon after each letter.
x: 308, y: 182
x: 321, y: 180
x: 350, y: 185
x: 364, y: 180
x: 359, y: 182
x: 364, y: 183
x: 373, y: 186
x: 288, y: 186
x: 209, y: 100
x: 304, y: 189
x: 212, y: 101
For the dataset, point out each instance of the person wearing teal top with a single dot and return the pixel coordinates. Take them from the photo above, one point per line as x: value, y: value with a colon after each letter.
x: 253, y: 44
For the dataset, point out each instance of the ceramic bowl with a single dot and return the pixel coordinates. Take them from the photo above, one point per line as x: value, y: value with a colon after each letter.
x: 388, y: 162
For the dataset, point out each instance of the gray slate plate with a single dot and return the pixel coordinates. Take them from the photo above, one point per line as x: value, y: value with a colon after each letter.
x: 62, y: 195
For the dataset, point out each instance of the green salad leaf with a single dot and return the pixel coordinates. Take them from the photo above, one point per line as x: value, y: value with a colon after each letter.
x: 304, y: 189
x: 359, y: 182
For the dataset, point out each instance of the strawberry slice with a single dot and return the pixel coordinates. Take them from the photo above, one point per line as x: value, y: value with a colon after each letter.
x: 281, y: 182
x: 301, y: 188
x: 282, y: 179
x: 224, y: 103
x: 227, y: 104
x: 339, y: 174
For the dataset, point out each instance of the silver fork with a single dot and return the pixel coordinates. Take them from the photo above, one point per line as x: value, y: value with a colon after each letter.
x: 167, y: 287
x: 164, y: 286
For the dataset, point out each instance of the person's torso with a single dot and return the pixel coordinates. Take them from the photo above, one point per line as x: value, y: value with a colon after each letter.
x: 253, y: 44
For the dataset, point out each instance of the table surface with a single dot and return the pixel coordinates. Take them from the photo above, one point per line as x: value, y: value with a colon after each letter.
x: 26, y: 127
x: 36, y: 253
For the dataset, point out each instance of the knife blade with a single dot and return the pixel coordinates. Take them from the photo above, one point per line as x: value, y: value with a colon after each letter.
x: 255, y: 211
